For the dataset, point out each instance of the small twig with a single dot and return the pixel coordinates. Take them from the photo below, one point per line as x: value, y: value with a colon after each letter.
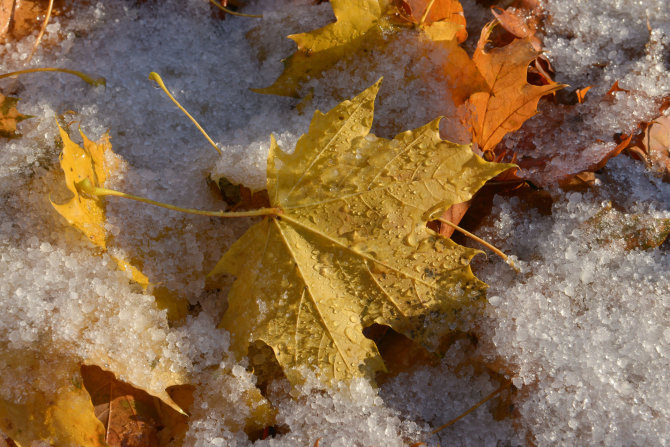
x: 473, y: 408
x: 231, y: 12
x: 156, y: 77
x: 42, y: 30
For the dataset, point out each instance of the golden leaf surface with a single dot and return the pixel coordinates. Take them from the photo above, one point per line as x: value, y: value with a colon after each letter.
x: 350, y: 246
x: 357, y: 25
x: 60, y: 414
x: 511, y: 100
x: 78, y: 163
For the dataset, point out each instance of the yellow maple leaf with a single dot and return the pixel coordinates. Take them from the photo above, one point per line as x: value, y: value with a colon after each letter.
x: 93, y: 163
x: 60, y: 413
x: 79, y: 163
x: 10, y: 116
x: 362, y: 26
x: 349, y: 246
x: 510, y: 99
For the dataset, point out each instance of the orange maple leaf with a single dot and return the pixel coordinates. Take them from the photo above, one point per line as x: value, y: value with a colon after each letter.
x: 511, y: 100
x: 427, y: 12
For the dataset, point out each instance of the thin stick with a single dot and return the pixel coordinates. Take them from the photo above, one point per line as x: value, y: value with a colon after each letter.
x: 44, y: 28
x: 85, y: 186
x: 231, y: 12
x: 477, y: 405
x: 480, y: 240
x: 87, y: 78
x: 425, y: 13
x: 156, y: 77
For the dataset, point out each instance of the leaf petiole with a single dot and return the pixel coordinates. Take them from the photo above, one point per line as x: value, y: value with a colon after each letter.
x: 86, y: 187
x: 87, y: 78
x: 481, y: 241
x: 426, y: 12
x: 473, y: 408
x: 42, y: 30
x: 231, y: 12
x: 156, y: 78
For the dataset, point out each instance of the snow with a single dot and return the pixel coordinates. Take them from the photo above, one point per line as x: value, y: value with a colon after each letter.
x: 581, y: 331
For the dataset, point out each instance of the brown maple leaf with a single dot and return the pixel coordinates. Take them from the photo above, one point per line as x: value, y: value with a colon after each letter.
x: 131, y: 416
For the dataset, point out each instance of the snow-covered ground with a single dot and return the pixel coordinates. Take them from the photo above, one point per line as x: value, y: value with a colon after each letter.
x: 583, y: 331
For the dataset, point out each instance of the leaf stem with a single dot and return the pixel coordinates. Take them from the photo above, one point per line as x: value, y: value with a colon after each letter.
x: 480, y: 240
x: 86, y: 187
x: 425, y: 13
x: 87, y: 78
x: 473, y: 408
x: 156, y: 77
x: 42, y: 30
x: 231, y: 12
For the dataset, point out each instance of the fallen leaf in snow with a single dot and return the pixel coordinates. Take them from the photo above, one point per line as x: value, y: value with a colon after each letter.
x: 94, y: 161
x: 60, y: 414
x: 364, y: 26
x: 634, y: 231
x: 9, y: 116
x: 443, y: 21
x: 357, y: 26
x: 511, y: 100
x: 581, y: 94
x: 519, y: 24
x: 349, y: 247
x: 131, y: 416
x: 656, y: 145
x: 78, y: 163
x: 6, y: 8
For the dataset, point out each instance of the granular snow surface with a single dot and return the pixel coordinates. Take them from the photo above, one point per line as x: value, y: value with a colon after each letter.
x: 582, y: 331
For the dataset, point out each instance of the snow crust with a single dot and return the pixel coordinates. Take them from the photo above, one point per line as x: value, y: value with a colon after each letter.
x: 582, y: 330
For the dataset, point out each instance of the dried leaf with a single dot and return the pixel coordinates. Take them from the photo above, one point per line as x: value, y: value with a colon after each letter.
x: 350, y: 246
x: 131, y: 417
x: 519, y: 24
x: 581, y: 94
x: 511, y: 100
x: 10, y: 116
x: 656, y: 144
x: 634, y: 231
x: 6, y: 9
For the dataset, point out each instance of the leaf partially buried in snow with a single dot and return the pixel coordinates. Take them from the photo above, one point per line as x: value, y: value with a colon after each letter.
x: 95, y: 161
x: 364, y: 26
x: 10, y: 116
x: 79, y: 163
x: 54, y: 409
x: 349, y: 246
